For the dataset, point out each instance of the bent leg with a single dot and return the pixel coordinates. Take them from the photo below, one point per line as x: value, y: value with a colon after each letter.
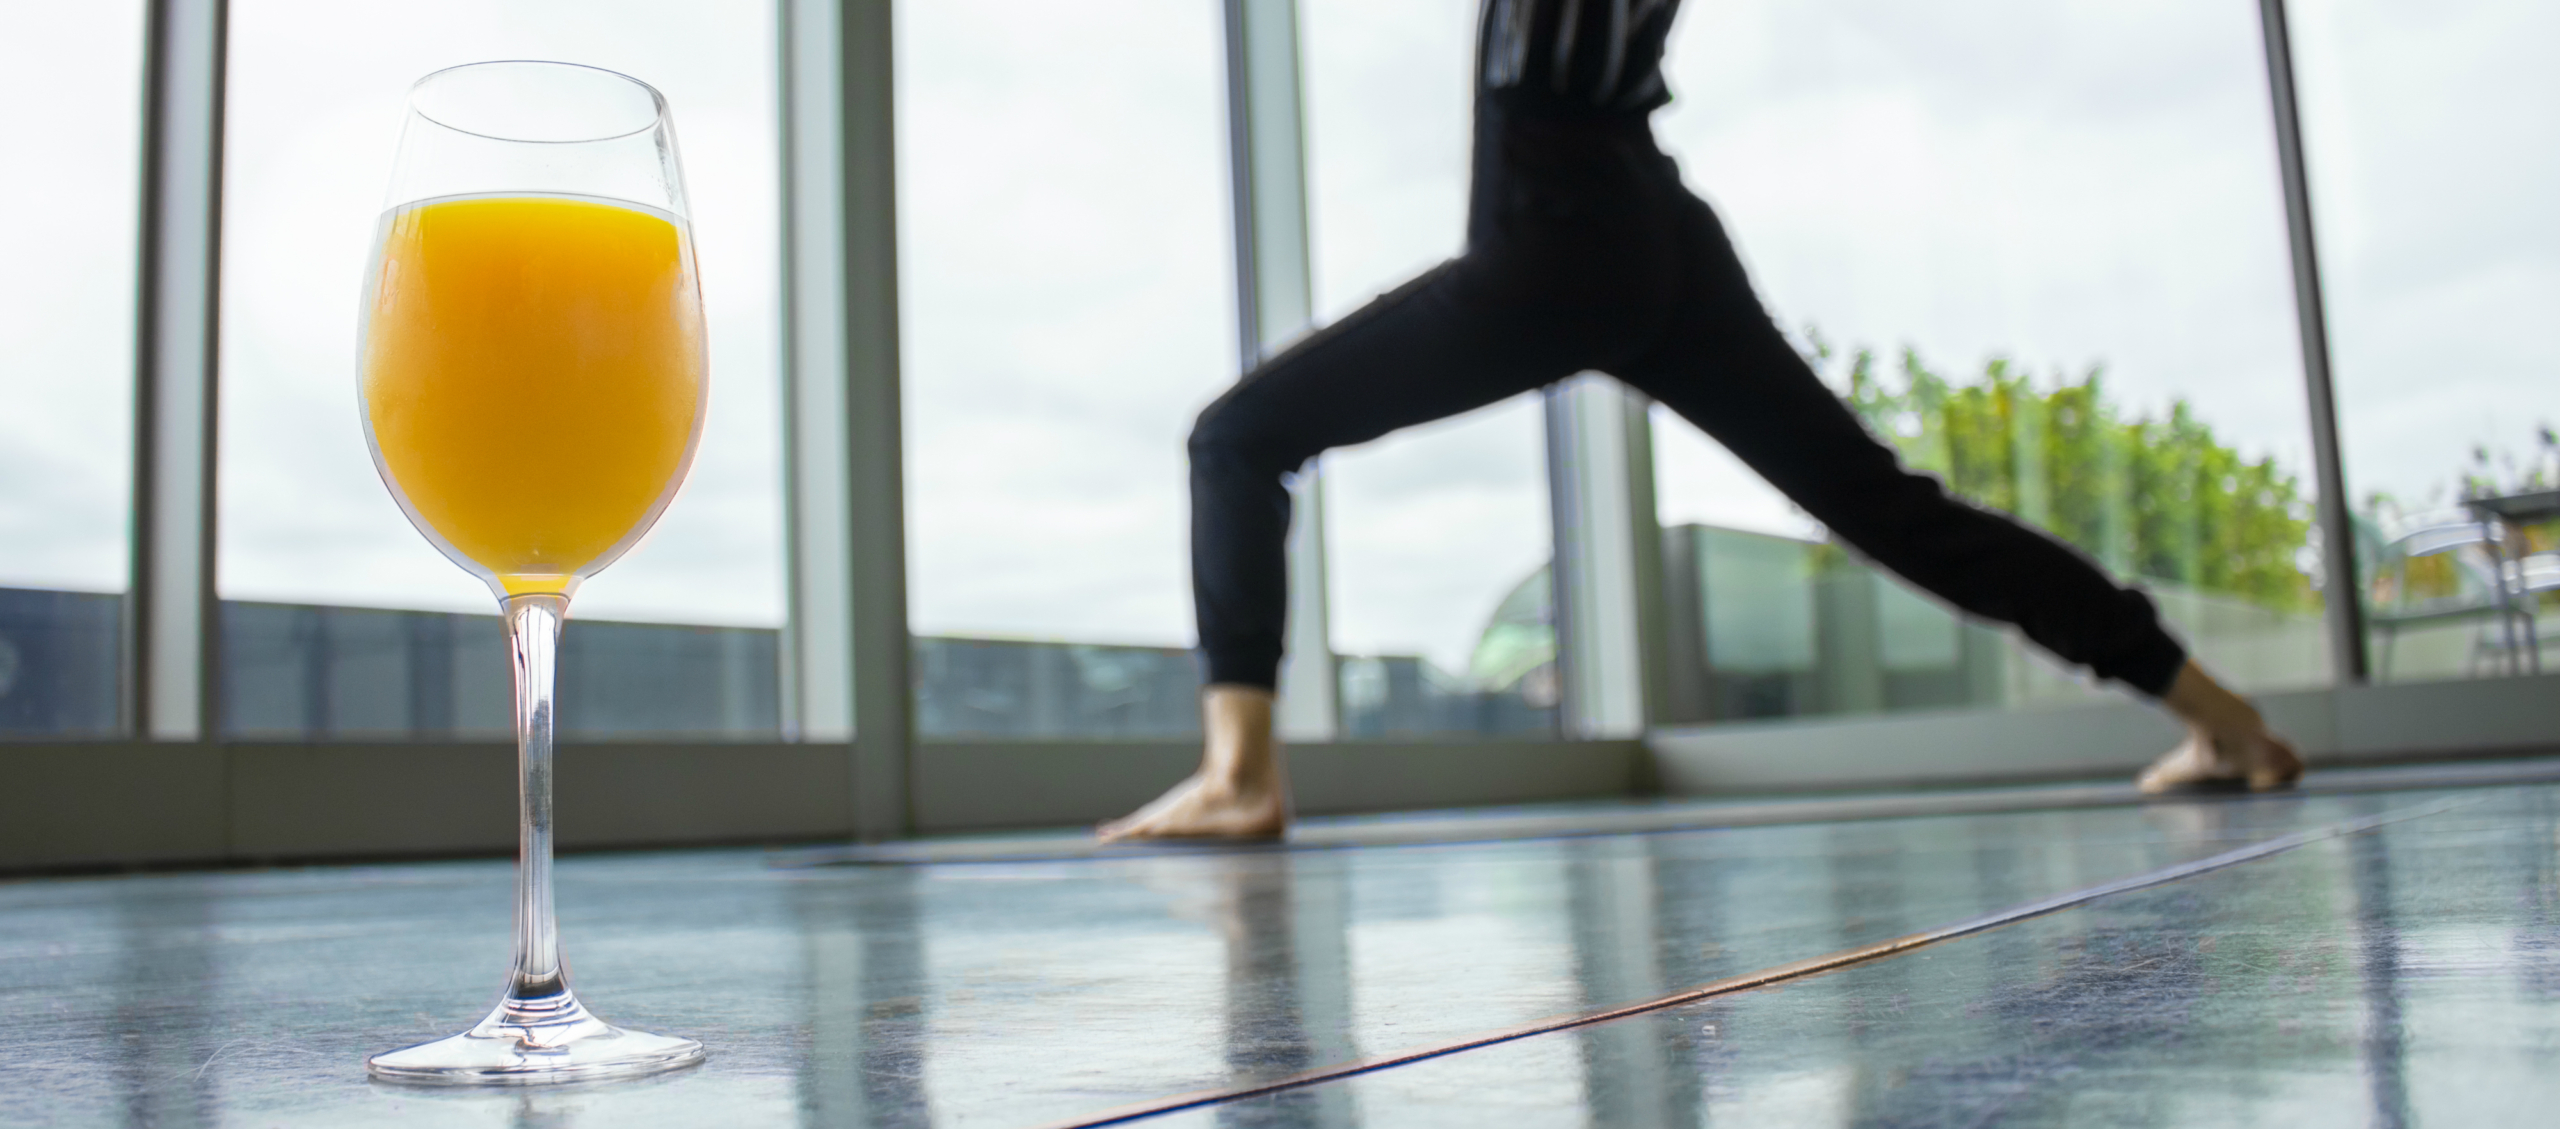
x: 1451, y: 340
x: 1433, y: 348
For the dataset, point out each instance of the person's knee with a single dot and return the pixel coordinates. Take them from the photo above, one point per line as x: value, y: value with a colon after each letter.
x: 1213, y: 436
x: 1229, y: 437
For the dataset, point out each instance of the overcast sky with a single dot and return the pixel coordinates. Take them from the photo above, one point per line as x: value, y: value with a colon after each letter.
x: 2064, y: 182
x: 2431, y: 131
x: 1066, y: 294
x: 317, y: 95
x: 1431, y: 527
x: 2061, y: 183
x: 70, y: 95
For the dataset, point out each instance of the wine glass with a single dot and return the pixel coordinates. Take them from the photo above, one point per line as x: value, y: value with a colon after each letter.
x: 532, y: 379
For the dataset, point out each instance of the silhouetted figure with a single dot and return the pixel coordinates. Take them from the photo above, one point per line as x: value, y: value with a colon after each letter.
x: 1585, y: 251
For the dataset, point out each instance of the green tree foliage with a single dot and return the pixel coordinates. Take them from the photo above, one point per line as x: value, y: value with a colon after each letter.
x: 2157, y: 498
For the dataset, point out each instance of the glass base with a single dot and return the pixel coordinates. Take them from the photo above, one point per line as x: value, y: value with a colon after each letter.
x: 535, y: 1041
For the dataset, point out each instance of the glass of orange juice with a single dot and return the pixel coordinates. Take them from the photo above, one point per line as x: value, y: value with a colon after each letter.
x: 532, y: 380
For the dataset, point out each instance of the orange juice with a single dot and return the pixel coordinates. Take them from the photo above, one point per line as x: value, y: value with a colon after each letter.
x: 533, y: 377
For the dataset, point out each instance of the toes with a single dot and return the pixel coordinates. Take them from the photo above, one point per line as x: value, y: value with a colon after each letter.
x: 2276, y: 765
x: 2260, y: 763
x: 2271, y: 779
x: 2156, y: 779
x: 2154, y: 782
x: 2268, y: 778
x: 1120, y: 830
x: 2197, y: 763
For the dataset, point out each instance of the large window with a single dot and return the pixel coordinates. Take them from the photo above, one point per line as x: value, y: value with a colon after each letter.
x: 2427, y: 128
x: 71, y: 77
x: 1442, y: 611
x: 2042, y: 250
x: 336, y: 612
x: 1066, y: 309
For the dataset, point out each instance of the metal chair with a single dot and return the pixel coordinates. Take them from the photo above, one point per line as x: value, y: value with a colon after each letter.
x: 2478, y: 548
x: 2528, y: 579
x: 2524, y: 574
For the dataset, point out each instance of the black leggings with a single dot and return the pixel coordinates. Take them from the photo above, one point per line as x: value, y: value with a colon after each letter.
x: 1584, y: 251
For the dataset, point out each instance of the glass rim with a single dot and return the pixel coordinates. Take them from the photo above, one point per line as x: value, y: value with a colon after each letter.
x: 657, y: 101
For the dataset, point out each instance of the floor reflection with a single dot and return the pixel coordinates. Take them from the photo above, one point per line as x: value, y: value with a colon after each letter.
x: 866, y: 1036
x: 1288, y: 983
x: 2378, y: 940
x: 2405, y: 976
x: 1629, y: 1077
x: 156, y: 1030
x: 2275, y: 992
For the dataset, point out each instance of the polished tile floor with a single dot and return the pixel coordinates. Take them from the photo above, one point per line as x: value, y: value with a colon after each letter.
x: 2406, y: 975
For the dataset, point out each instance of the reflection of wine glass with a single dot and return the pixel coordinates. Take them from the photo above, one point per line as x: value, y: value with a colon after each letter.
x: 532, y: 378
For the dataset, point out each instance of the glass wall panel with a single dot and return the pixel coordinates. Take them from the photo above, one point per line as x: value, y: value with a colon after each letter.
x: 2428, y: 132
x: 313, y: 553
x: 1442, y: 615
x: 1067, y: 307
x: 71, y: 77
x: 2040, y: 248
x: 307, y: 671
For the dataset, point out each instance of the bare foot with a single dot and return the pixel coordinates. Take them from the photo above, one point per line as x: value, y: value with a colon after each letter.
x: 2228, y: 742
x: 1240, y: 791
x: 2203, y: 760
x: 1201, y: 808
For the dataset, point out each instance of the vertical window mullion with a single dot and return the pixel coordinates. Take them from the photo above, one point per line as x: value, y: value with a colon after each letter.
x: 848, y: 650
x: 1608, y: 573
x: 1275, y: 303
x: 173, y: 628
x: 2344, y: 589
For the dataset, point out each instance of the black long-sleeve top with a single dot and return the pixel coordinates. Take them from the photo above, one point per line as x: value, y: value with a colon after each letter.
x: 1574, y: 56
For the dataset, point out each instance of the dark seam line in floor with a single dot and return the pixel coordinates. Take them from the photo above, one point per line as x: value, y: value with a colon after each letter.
x: 1767, y: 976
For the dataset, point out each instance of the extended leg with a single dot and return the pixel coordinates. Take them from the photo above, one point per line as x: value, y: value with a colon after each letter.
x: 1724, y: 366
x: 1433, y: 348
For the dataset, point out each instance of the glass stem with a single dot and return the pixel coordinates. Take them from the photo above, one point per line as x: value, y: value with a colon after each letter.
x: 538, y: 986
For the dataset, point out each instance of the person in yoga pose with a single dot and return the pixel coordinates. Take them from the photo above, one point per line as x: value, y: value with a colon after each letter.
x: 1585, y: 251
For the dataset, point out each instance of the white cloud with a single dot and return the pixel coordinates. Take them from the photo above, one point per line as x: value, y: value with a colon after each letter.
x: 316, y: 96
x: 1430, y: 527
x: 70, y: 113
x: 2063, y: 183
x: 2429, y: 132
x: 1067, y: 308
